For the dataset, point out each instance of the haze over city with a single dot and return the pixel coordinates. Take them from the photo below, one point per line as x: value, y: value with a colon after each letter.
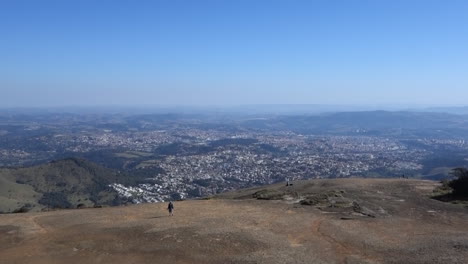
x: 225, y: 53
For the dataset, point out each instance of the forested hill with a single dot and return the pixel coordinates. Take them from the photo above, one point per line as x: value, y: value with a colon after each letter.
x: 59, y: 184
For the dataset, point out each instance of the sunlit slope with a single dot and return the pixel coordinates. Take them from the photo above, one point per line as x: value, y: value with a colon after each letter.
x: 316, y: 221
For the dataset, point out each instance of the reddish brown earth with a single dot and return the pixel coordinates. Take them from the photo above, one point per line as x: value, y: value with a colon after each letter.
x: 390, y: 221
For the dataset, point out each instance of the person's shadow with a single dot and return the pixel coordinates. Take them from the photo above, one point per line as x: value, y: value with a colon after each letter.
x: 160, y: 216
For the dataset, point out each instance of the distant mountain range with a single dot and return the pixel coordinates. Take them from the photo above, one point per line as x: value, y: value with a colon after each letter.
x: 460, y: 110
x: 249, y: 109
x: 383, y: 123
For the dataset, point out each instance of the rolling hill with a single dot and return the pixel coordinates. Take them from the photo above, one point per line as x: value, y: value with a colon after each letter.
x: 59, y: 184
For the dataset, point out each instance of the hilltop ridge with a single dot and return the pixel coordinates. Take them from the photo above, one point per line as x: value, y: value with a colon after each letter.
x: 313, y: 221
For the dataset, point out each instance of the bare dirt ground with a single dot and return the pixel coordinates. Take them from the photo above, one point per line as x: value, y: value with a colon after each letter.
x: 339, y: 221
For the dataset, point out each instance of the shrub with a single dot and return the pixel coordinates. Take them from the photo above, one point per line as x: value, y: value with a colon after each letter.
x: 23, y: 209
x: 460, y: 183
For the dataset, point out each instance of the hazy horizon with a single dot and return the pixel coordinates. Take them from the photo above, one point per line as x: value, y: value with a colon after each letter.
x: 247, y: 110
x: 233, y: 53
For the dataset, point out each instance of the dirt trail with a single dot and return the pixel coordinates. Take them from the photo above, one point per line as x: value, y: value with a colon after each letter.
x: 227, y: 230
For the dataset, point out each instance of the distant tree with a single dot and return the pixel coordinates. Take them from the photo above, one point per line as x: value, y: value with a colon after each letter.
x: 460, y: 183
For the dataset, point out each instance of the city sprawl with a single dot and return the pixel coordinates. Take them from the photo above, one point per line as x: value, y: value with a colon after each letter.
x: 178, y: 159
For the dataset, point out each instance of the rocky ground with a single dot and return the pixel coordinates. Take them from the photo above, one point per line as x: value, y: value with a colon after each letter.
x: 316, y: 221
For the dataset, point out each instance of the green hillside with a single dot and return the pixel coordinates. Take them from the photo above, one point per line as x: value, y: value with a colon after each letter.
x: 58, y: 184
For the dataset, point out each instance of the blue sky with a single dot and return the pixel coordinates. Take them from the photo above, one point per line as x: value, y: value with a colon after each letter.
x: 171, y: 52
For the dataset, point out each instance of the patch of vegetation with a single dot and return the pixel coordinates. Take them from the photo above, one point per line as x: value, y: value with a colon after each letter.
x: 180, y: 148
x: 208, y: 198
x: 105, y: 158
x: 455, y: 190
x: 55, y: 200
x: 460, y: 183
x: 443, y: 189
x: 22, y: 209
x: 267, y: 148
x: 65, y: 183
x: 203, y: 182
x: 126, y: 155
x: 329, y: 199
x: 441, y: 158
x: 233, y: 141
x: 195, y: 192
x: 266, y: 194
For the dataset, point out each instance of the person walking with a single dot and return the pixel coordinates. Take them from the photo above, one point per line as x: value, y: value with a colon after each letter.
x: 170, y: 208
